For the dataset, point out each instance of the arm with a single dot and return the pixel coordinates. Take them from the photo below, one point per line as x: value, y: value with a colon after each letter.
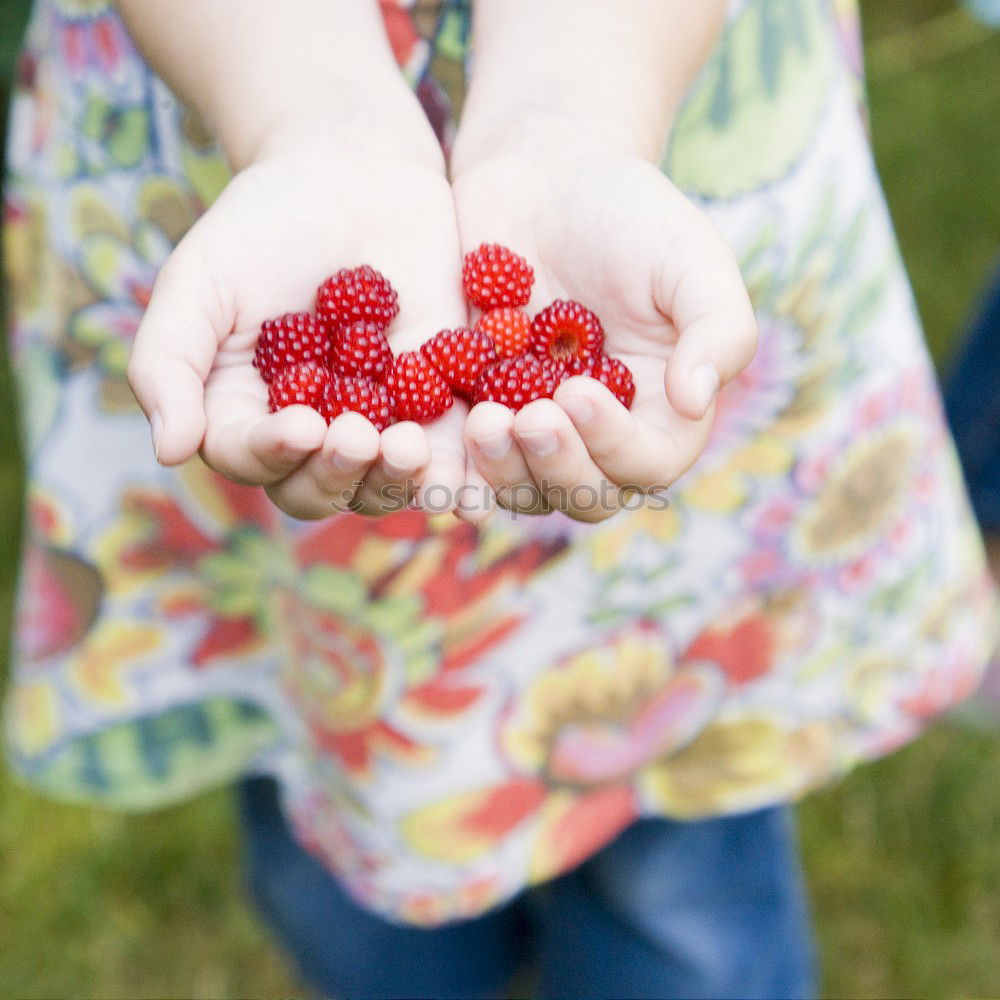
x: 613, y: 70
x: 336, y: 165
x: 257, y: 71
x: 557, y: 157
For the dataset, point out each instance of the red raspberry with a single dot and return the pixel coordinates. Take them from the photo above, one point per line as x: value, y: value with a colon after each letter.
x: 289, y: 340
x: 515, y: 382
x: 494, y: 276
x: 357, y: 395
x: 510, y: 330
x: 300, y: 385
x: 566, y: 330
x: 418, y: 391
x: 612, y: 373
x: 559, y: 371
x: 358, y: 295
x: 460, y: 356
x: 555, y: 371
x: 361, y: 351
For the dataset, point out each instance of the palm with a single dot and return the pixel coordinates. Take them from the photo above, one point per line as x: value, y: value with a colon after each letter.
x: 581, y: 258
x: 612, y: 232
x: 275, y: 233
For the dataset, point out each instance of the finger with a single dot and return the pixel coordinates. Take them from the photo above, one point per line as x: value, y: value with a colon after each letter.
x: 489, y: 434
x: 328, y: 481
x: 441, y: 484
x: 700, y: 289
x: 263, y: 450
x: 640, y: 449
x: 476, y: 498
x: 561, y: 466
x: 173, y: 353
x: 404, y: 454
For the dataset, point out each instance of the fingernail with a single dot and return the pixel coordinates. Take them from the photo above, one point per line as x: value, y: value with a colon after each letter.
x: 541, y: 445
x: 705, y: 384
x: 396, y: 471
x: 156, y: 429
x: 345, y: 463
x: 298, y: 444
x: 495, y: 447
x: 580, y: 409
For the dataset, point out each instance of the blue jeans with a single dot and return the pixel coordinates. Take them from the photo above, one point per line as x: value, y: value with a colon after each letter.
x: 714, y: 908
x: 972, y: 402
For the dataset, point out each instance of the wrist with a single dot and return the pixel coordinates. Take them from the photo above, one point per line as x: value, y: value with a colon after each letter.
x: 258, y: 71
x: 615, y: 76
x: 548, y: 131
x: 356, y: 115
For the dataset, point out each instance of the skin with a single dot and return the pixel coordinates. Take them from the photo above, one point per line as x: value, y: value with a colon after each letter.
x: 336, y: 165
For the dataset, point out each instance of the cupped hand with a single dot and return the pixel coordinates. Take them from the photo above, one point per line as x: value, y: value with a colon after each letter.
x: 307, y: 206
x: 609, y: 230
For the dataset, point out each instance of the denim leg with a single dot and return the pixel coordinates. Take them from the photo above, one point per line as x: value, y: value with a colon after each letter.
x: 972, y: 402
x: 713, y: 908
x: 343, y: 950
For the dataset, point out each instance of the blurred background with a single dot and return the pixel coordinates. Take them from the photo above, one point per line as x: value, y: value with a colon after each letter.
x: 903, y: 858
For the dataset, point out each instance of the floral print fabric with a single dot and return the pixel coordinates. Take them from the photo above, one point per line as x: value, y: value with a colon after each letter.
x: 455, y: 713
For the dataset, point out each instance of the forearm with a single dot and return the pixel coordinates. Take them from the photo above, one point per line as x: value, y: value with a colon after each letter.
x: 613, y: 70
x: 272, y: 67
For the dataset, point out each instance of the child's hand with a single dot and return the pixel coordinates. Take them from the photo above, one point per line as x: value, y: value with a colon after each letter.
x: 608, y: 229
x: 307, y: 205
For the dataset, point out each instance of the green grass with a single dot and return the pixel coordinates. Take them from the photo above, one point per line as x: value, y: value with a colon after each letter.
x: 903, y: 858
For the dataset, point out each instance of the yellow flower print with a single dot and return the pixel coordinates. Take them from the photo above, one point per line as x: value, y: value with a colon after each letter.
x: 99, y: 670
x: 872, y: 685
x: 33, y: 717
x: 735, y: 765
x: 608, y: 710
x: 608, y: 544
x: 577, y: 740
x: 806, y: 318
x: 864, y: 494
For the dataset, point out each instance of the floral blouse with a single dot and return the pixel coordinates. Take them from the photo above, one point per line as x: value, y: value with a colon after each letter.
x: 453, y: 712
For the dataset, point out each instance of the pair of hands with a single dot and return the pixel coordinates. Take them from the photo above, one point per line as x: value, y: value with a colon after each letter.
x: 597, y: 224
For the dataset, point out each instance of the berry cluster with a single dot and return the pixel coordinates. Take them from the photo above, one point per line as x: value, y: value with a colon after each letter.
x: 533, y: 355
x: 337, y: 358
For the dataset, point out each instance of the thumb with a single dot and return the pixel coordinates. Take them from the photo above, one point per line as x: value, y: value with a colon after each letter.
x: 699, y: 288
x: 173, y: 354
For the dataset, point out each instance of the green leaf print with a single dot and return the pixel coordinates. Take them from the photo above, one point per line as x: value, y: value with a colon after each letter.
x: 155, y: 761
x: 38, y: 368
x: 333, y: 589
x: 122, y: 132
x: 755, y: 108
x: 772, y: 47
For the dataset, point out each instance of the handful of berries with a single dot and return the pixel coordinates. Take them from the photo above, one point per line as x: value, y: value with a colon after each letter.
x: 338, y: 358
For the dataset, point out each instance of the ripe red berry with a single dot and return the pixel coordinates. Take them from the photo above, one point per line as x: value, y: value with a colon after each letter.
x: 361, y: 351
x: 562, y: 370
x: 515, y: 382
x: 612, y: 373
x: 460, y: 356
x: 510, y: 330
x: 555, y: 371
x: 418, y: 391
x: 566, y: 330
x: 301, y: 385
x: 494, y: 276
x: 289, y: 340
x: 357, y: 395
x: 356, y: 295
